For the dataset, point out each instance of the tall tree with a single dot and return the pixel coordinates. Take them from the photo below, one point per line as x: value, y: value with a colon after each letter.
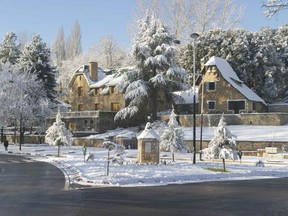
x: 109, y: 54
x: 36, y: 59
x: 24, y: 96
x: 186, y: 16
x: 58, y: 47
x: 156, y: 72
x: 9, y: 50
x: 73, y: 43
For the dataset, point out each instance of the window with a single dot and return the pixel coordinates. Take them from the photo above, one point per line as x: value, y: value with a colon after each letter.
x: 97, y: 90
x: 254, y: 106
x: 112, y: 89
x: 80, y: 107
x: 115, y: 106
x: 97, y: 106
x: 211, y: 105
x: 236, y: 105
x: 80, y: 91
x: 211, y: 86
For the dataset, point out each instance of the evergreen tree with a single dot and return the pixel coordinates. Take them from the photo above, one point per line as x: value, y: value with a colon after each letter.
x: 223, y: 139
x: 9, y: 50
x: 172, y: 137
x: 36, y: 59
x: 156, y: 72
x: 58, y: 134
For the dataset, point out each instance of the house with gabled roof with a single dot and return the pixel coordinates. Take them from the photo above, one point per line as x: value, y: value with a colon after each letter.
x: 222, y: 91
x: 94, y: 100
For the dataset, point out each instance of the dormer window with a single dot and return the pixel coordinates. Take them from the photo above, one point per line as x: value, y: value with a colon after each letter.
x: 97, y: 90
x: 112, y: 89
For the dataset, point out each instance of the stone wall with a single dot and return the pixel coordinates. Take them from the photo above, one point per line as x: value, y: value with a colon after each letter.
x: 272, y: 119
x: 243, y: 145
x: 85, y: 123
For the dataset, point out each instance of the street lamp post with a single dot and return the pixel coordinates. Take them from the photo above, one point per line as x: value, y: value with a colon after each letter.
x: 194, y: 36
x: 202, y: 111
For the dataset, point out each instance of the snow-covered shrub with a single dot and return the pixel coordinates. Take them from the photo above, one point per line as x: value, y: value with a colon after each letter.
x: 172, y: 139
x: 222, y: 144
x: 58, y: 134
x: 118, y: 151
x: 260, y: 163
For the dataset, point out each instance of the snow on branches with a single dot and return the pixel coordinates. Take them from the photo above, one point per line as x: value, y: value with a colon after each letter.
x: 58, y: 134
x: 172, y: 137
x: 222, y: 144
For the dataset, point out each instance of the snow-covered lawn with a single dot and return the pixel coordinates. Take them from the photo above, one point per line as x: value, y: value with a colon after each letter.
x: 94, y: 172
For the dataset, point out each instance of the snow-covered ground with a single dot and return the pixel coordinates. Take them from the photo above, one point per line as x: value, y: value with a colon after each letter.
x: 130, y: 174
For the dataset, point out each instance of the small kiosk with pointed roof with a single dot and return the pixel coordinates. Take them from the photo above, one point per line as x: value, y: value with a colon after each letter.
x: 148, y: 146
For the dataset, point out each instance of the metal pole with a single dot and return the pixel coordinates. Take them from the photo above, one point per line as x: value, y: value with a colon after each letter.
x: 194, y: 107
x: 194, y: 36
x: 21, y: 118
x: 201, y: 130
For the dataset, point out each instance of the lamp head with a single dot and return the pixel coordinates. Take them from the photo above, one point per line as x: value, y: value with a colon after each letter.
x: 194, y: 35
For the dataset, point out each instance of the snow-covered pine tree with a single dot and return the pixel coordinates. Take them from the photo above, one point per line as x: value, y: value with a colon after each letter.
x: 36, y: 60
x: 222, y: 145
x: 9, y: 50
x: 156, y: 72
x: 172, y: 137
x: 58, y: 134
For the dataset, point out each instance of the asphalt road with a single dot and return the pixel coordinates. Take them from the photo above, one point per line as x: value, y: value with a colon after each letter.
x: 37, y: 189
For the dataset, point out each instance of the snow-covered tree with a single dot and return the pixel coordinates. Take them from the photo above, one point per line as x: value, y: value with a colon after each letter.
x: 222, y: 146
x: 186, y: 16
x: 24, y: 98
x: 118, y: 152
x: 36, y: 59
x: 9, y: 50
x: 273, y: 7
x: 109, y: 54
x: 156, y: 73
x: 58, y: 134
x: 172, y: 139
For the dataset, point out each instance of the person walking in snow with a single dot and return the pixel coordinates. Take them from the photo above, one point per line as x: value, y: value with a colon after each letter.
x: 6, y: 144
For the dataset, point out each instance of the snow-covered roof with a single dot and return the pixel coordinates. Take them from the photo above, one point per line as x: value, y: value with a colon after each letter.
x: 110, y: 80
x: 230, y: 76
x: 148, y: 133
x: 187, y: 96
x: 84, y: 69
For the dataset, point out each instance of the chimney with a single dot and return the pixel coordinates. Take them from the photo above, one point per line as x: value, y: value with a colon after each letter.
x: 93, y: 71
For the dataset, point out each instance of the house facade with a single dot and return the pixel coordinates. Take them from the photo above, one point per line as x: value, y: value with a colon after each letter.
x: 221, y: 91
x: 92, y: 90
x: 94, y: 101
